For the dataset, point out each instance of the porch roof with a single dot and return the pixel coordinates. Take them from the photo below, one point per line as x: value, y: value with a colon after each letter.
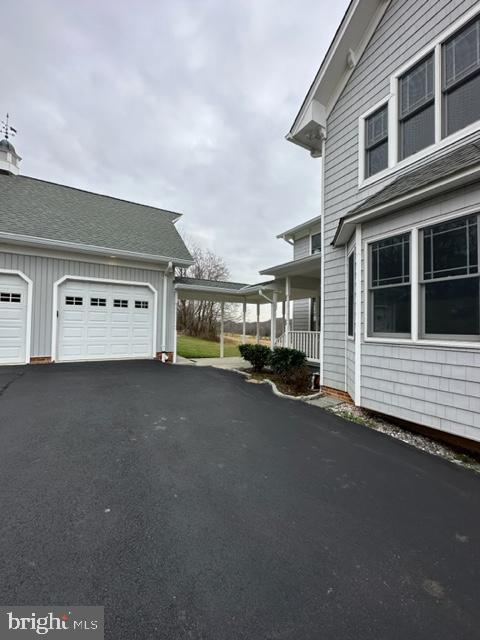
x: 308, y: 266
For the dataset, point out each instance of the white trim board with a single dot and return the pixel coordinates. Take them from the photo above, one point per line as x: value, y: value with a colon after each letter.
x: 133, y: 283
x: 28, y: 329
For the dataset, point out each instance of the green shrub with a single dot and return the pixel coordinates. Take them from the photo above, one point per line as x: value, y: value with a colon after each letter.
x: 284, y: 362
x: 257, y: 354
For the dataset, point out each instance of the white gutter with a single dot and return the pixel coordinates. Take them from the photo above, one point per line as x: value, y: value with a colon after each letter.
x: 164, y: 311
x: 49, y: 243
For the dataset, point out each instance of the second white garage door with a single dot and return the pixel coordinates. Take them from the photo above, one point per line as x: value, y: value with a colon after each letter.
x: 99, y: 321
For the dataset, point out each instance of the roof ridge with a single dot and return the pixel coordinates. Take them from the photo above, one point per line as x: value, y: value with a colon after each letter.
x: 101, y: 195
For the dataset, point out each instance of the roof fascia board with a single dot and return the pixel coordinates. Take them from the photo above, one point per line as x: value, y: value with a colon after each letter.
x: 347, y: 224
x: 285, y: 235
x: 312, y: 259
x: 90, y: 249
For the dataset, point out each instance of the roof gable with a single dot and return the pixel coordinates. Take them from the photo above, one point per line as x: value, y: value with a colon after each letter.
x: 354, y: 33
x: 44, y: 210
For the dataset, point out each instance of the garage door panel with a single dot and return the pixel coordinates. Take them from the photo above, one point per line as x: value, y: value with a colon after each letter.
x: 13, y: 319
x: 97, y: 329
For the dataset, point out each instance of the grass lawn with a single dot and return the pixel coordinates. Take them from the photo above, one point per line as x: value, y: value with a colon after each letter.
x: 189, y: 347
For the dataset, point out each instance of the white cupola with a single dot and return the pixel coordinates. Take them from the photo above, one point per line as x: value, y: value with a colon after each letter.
x: 9, y: 158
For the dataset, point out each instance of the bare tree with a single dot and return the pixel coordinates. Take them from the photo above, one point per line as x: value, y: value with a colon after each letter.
x: 201, y: 317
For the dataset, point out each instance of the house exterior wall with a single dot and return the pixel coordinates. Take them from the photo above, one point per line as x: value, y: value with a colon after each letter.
x: 436, y: 387
x: 301, y: 308
x: 45, y: 270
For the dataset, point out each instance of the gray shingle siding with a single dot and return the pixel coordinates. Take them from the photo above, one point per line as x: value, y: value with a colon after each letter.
x: 407, y: 27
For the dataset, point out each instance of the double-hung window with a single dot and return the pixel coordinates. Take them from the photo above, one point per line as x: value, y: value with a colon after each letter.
x: 376, y: 141
x: 461, y: 78
x: 390, y: 290
x: 351, y: 294
x: 451, y: 280
x: 316, y: 243
x: 417, y: 108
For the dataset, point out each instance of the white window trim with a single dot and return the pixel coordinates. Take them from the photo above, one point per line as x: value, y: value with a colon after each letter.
x: 348, y: 254
x: 415, y: 288
x: 313, y: 233
x: 28, y: 328
x: 394, y: 164
x: 63, y: 279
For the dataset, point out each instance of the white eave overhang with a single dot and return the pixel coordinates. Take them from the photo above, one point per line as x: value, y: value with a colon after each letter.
x: 362, y: 17
x: 299, y: 267
x: 306, y: 226
x: 48, y: 243
x: 346, y: 226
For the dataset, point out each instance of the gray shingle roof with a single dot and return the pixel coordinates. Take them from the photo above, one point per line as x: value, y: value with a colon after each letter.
x: 51, y: 211
x: 443, y: 167
x: 215, y: 284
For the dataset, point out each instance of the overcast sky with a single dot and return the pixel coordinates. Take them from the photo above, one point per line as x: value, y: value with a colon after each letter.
x: 182, y: 104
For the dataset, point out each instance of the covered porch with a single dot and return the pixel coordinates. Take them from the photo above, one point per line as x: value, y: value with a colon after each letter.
x: 295, y: 280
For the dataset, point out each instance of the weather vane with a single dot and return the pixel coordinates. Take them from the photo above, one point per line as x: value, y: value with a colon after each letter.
x: 7, y: 129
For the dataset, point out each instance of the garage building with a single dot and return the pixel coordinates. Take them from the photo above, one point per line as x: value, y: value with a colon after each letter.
x: 83, y: 276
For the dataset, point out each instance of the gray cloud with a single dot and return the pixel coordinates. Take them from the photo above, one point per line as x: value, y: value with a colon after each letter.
x: 182, y: 104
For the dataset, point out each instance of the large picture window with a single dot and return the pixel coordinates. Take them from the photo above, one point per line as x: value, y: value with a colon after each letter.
x: 451, y: 281
x: 376, y: 142
x: 390, y: 291
x: 416, y: 108
x: 351, y: 294
x: 461, y: 78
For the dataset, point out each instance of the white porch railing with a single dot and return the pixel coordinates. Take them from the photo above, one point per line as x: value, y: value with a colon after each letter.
x: 306, y: 341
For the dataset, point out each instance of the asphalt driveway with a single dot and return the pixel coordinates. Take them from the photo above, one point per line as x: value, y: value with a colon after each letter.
x: 194, y: 505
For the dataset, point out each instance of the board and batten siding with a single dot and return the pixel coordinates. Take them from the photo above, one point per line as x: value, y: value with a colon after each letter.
x: 301, y: 308
x: 45, y: 271
x: 406, y: 27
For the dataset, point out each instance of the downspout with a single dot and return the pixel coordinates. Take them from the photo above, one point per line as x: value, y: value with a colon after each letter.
x: 164, y: 355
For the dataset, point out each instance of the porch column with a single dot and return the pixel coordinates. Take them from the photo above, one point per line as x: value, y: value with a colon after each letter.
x: 284, y: 328
x: 244, y: 315
x: 222, y: 337
x: 258, y: 323
x: 287, y: 307
x: 317, y: 312
x: 175, y: 328
x: 273, y: 321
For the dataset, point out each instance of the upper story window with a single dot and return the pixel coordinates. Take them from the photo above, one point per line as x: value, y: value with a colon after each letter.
x: 376, y: 141
x: 461, y: 78
x: 417, y: 108
x: 316, y: 243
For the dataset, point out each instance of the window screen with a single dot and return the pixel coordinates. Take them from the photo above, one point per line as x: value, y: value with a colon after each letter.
x: 451, y: 280
x: 390, y: 293
x: 461, y: 78
x: 416, y: 108
x: 376, y: 142
x: 351, y: 293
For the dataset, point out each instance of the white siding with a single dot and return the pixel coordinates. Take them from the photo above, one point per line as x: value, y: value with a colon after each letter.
x: 301, y: 308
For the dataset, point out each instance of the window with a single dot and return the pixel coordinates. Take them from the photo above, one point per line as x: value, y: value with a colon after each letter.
x: 316, y: 240
x: 451, y: 280
x: 351, y: 293
x: 73, y: 300
x: 390, y: 294
x: 120, y: 303
x: 141, y: 304
x: 10, y: 297
x: 461, y: 78
x: 376, y: 142
x: 98, y: 302
x: 416, y: 108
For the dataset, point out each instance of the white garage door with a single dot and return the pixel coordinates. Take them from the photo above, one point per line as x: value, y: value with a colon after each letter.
x: 98, y: 321
x: 13, y: 319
